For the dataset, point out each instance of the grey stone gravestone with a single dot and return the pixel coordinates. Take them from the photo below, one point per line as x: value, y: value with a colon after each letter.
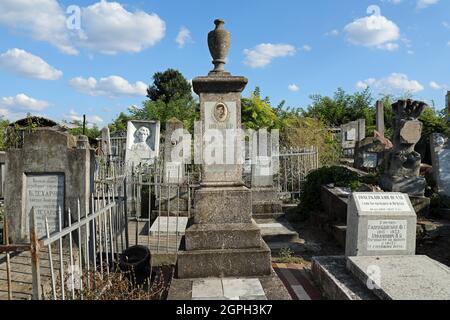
x: 223, y: 239
x: 440, y: 156
x: 265, y: 201
x: 352, y: 133
x: 106, y: 142
x: 176, y: 194
x: 380, y: 223
x: 380, y: 117
x: 51, y: 169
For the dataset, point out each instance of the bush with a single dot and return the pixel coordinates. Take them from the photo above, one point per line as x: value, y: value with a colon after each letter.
x: 340, y: 176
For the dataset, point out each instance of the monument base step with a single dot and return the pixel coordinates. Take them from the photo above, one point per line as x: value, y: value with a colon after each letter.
x: 266, y: 207
x: 275, y: 231
x: 268, y: 216
x: 226, y: 235
x: 225, y: 263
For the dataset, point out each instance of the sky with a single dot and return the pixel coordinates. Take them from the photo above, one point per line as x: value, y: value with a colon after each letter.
x: 63, y: 59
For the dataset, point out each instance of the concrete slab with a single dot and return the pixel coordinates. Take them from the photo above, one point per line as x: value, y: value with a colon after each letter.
x: 207, y: 289
x: 262, y: 288
x: 170, y: 225
x: 403, y: 277
x: 236, y: 289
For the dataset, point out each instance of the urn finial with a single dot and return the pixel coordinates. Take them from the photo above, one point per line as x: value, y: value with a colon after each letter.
x: 219, y: 41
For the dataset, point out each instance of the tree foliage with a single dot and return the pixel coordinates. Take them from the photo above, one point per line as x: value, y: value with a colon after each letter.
x: 257, y: 113
x: 342, y: 108
x: 168, y: 86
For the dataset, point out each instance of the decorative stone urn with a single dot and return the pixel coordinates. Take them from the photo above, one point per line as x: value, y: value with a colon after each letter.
x: 219, y: 41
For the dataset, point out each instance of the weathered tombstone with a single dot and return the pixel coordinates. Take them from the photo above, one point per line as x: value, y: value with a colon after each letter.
x: 106, y: 143
x: 50, y: 170
x: 352, y: 133
x: 223, y: 239
x: 142, y: 142
x: 174, y: 169
x: 380, y: 117
x: 440, y: 156
x: 403, y: 162
x: 369, y: 154
x: 175, y: 194
x: 380, y: 223
x: 265, y: 201
x: 2, y: 172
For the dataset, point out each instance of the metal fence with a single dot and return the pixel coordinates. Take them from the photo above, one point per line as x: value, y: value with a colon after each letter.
x: 294, y: 165
x: 76, y: 252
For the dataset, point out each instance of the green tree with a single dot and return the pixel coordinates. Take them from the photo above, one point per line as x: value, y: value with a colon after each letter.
x: 120, y: 123
x: 257, y: 113
x: 168, y: 86
x: 342, y: 108
x: 3, y: 125
x: 183, y: 109
x: 92, y: 131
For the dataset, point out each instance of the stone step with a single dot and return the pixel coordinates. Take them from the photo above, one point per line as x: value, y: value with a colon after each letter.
x: 273, y: 216
x: 225, y: 263
x: 275, y: 231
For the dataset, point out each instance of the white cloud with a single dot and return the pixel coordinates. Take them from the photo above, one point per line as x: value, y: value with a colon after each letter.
x: 109, y: 28
x: 43, y: 20
x: 23, y: 102
x: 263, y: 54
x: 333, y: 33
x: 436, y: 86
x: 393, y: 1
x: 422, y: 4
x: 183, y: 37
x: 393, y: 84
x: 28, y: 65
x: 306, y: 48
x: 293, y: 87
x: 106, y: 27
x: 111, y: 86
x: 374, y: 31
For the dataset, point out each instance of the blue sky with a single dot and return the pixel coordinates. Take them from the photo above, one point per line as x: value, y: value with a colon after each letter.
x: 290, y: 48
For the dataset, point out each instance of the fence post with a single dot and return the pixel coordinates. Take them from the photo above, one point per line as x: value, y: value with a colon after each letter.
x: 125, y: 201
x: 8, y: 260
x: 35, y: 264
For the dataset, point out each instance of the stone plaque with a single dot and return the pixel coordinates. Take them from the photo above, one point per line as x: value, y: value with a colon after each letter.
x: 173, y: 172
x: 382, y: 202
x: 370, y: 160
x: 44, y: 193
x: 351, y: 135
x: 386, y: 235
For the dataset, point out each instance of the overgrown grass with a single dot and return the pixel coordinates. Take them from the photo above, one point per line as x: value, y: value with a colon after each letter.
x: 286, y: 255
x: 115, y: 286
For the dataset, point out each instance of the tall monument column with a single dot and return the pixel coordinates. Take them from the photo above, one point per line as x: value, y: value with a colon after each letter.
x: 223, y: 240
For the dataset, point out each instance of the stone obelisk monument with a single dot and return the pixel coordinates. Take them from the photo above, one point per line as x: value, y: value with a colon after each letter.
x: 222, y: 240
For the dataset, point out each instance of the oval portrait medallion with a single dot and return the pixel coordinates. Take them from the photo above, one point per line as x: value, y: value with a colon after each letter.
x: 220, y: 112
